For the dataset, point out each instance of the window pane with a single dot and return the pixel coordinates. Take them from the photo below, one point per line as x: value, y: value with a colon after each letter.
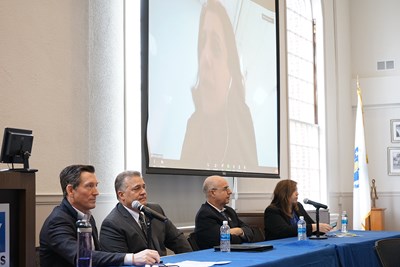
x: 304, y: 133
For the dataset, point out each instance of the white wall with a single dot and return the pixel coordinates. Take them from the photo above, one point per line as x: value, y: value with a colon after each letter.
x: 339, y: 123
x: 44, y: 85
x: 44, y: 81
x: 370, y: 28
x: 61, y: 75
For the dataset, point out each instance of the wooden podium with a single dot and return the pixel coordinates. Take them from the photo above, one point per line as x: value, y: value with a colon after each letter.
x: 18, y: 190
x: 376, y: 220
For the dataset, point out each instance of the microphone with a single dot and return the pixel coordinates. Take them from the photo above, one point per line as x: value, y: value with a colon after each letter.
x: 148, y: 212
x: 315, y: 204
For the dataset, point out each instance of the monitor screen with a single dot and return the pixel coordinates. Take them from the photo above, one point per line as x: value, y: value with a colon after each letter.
x: 210, y: 87
x: 16, y: 147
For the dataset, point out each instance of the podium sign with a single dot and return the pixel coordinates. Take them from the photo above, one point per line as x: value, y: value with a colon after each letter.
x: 4, y: 235
x: 17, y: 216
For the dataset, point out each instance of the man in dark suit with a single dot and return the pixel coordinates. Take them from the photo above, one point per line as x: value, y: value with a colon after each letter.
x: 121, y: 230
x: 211, y: 214
x: 58, y: 236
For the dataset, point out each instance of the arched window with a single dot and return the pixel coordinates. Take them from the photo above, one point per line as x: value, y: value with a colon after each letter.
x: 305, y: 91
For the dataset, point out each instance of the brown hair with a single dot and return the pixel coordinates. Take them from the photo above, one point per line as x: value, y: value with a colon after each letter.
x: 72, y: 175
x: 282, y: 193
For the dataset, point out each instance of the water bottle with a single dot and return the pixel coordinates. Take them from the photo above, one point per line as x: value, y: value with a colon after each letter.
x: 84, y: 249
x: 301, y: 229
x: 345, y: 221
x: 225, y: 241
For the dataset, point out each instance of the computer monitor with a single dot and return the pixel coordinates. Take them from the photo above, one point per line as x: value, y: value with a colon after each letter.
x: 16, y: 147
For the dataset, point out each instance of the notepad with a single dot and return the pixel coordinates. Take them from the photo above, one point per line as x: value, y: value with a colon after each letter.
x: 248, y: 247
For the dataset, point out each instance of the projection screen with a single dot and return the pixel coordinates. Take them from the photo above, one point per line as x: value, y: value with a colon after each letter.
x: 210, y: 87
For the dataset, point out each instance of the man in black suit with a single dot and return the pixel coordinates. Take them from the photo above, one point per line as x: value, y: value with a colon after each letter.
x: 211, y: 214
x: 58, y: 236
x: 121, y: 230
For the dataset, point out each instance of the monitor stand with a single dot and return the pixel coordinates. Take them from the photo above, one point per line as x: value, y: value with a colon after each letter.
x: 25, y: 169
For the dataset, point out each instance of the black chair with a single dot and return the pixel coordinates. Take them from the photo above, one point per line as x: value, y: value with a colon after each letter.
x: 258, y: 234
x: 388, y: 251
x: 37, y: 256
x: 192, y: 241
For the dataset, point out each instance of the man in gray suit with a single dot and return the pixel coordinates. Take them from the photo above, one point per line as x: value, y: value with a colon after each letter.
x: 121, y: 230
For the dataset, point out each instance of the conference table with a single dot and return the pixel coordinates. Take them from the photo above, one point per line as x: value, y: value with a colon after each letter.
x: 357, y: 250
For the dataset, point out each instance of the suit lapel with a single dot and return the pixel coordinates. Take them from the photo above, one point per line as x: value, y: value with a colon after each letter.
x: 74, y: 214
x: 95, y: 234
x: 131, y: 221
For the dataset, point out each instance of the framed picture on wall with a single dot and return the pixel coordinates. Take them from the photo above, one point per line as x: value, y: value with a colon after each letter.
x: 395, y: 130
x: 394, y: 160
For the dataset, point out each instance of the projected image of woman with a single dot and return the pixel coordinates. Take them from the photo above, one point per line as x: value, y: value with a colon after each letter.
x: 220, y: 132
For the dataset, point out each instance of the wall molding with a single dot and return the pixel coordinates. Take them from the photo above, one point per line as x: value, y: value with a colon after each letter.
x: 55, y: 199
x: 350, y: 194
x: 48, y: 199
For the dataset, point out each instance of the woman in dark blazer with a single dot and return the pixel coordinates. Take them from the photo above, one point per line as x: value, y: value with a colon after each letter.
x: 282, y: 215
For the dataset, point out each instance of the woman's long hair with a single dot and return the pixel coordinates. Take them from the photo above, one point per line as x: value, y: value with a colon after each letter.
x: 282, y: 193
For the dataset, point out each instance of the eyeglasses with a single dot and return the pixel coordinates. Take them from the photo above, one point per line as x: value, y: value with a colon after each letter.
x: 226, y: 188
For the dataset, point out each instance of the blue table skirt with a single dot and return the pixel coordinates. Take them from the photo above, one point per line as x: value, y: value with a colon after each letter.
x: 359, y: 250
x: 283, y: 254
x: 334, y: 251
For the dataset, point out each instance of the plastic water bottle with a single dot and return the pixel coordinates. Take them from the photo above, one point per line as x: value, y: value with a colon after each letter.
x: 84, y: 249
x: 345, y: 221
x: 225, y: 241
x: 301, y: 229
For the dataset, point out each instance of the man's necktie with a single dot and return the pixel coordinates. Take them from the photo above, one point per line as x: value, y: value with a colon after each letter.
x: 143, y: 225
x: 226, y: 217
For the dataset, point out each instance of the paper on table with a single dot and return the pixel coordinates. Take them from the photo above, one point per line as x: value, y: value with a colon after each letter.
x: 198, y: 263
x: 340, y: 234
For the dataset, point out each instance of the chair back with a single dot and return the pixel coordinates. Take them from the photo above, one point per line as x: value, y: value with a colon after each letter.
x: 255, y: 220
x: 37, y: 256
x: 258, y: 234
x: 192, y: 241
x: 388, y: 251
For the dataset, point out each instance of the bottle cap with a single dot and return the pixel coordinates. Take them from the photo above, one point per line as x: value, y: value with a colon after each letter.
x: 301, y: 217
x: 224, y: 222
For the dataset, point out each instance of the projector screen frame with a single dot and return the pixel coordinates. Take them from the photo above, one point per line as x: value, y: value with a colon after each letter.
x: 146, y: 168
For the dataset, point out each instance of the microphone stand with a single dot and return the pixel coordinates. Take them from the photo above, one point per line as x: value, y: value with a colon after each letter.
x: 317, y: 236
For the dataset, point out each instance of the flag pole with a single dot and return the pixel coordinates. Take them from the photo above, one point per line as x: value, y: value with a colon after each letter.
x: 362, y: 111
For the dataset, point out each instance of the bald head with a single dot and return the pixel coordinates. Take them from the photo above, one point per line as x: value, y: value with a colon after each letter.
x: 217, y: 191
x: 210, y: 183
